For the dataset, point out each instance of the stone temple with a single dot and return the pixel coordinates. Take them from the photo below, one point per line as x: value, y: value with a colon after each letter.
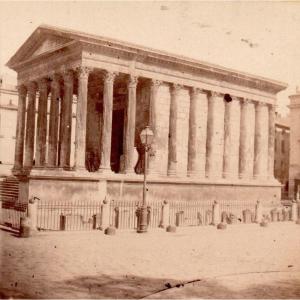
x: 213, y: 127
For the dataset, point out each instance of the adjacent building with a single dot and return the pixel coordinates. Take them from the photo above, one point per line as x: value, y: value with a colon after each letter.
x: 294, y: 170
x: 214, y: 128
x: 8, y: 121
x: 282, y: 153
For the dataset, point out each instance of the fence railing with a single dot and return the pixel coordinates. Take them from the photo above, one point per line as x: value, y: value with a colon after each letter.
x: 72, y: 215
x: 122, y: 214
x: 11, y: 211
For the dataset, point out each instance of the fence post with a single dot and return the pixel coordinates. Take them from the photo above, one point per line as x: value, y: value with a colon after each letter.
x: 216, y: 214
x: 258, y: 212
x: 165, y: 215
x: 32, y: 212
x: 294, y: 211
x: 105, y: 214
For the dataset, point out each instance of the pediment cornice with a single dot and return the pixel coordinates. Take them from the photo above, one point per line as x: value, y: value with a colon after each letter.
x: 46, y: 40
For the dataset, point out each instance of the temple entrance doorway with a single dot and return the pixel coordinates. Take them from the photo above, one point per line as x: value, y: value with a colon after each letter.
x: 117, y: 140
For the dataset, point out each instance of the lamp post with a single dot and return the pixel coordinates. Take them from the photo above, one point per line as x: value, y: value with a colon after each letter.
x: 146, y: 136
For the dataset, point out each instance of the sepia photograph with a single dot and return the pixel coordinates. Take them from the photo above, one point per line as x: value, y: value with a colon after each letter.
x: 150, y: 149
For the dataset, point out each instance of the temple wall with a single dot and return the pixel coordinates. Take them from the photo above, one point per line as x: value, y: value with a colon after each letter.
x: 190, y: 191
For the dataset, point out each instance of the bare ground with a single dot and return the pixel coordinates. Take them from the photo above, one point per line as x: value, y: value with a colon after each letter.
x: 244, y: 261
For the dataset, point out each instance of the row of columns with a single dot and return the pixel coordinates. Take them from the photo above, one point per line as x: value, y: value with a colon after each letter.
x: 213, y: 149
x: 60, y: 129
x: 226, y: 155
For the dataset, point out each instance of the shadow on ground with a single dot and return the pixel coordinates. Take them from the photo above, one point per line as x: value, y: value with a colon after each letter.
x: 102, y: 286
x: 134, y: 287
x: 213, y: 289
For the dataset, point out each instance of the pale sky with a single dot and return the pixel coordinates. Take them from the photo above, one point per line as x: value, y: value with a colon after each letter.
x: 261, y: 38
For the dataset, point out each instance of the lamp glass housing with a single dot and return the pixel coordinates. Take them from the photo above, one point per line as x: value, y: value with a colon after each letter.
x: 146, y: 136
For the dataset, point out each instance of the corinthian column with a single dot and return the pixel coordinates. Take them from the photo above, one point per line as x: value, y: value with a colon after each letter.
x: 108, y: 91
x: 66, y: 119
x: 245, y: 167
x: 155, y: 84
x: 215, y: 138
x: 261, y: 141
x: 271, y: 141
x: 197, y: 133
x: 41, y: 136
x: 81, y: 115
x: 130, y: 126
x: 231, y: 139
x: 30, y: 125
x: 172, y: 159
x: 53, y: 122
x: 19, y: 146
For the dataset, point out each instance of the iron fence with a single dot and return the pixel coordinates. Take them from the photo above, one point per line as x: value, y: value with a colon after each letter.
x: 11, y: 210
x: 86, y: 215
x: 191, y: 213
x: 71, y: 215
x: 123, y: 213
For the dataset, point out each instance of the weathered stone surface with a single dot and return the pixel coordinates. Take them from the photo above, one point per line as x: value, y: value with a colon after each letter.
x: 215, y: 136
x: 19, y: 146
x: 30, y: 126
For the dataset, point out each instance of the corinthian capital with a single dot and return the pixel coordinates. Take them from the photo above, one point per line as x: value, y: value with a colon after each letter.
x: 109, y: 76
x: 43, y: 85
x: 155, y: 82
x: 22, y: 90
x: 132, y: 81
x: 195, y: 91
x: 175, y: 88
x: 32, y: 87
x: 216, y: 94
x: 83, y: 72
x: 68, y: 75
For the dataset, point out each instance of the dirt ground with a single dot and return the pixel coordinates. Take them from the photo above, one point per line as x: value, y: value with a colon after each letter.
x: 243, y: 261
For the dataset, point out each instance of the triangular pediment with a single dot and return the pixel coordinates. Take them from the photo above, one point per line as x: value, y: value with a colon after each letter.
x: 37, y: 44
x: 49, y: 44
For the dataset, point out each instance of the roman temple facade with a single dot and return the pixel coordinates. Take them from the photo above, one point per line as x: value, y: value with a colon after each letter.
x: 214, y: 128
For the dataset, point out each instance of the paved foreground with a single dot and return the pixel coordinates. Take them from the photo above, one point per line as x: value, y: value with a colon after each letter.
x: 242, y: 261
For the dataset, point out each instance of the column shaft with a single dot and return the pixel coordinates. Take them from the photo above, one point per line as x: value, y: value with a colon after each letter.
x: 192, y: 143
x: 260, y: 147
x: 271, y: 142
x: 215, y: 138
x: 130, y: 126
x: 53, y: 122
x: 20, y: 129
x: 153, y: 109
x: 244, y: 172
x: 30, y: 126
x: 66, y: 120
x: 231, y: 139
x: 41, y: 135
x: 81, y: 117
x: 172, y: 158
x: 108, y: 91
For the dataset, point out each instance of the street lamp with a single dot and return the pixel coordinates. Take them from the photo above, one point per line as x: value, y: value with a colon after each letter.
x: 146, y: 136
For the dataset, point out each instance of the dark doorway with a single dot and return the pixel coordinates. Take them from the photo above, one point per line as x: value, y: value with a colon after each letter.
x: 117, y: 139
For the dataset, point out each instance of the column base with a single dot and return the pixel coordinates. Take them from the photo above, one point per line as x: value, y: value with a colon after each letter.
x: 172, y: 173
x: 260, y: 177
x: 129, y: 171
x: 104, y: 170
x: 196, y: 174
